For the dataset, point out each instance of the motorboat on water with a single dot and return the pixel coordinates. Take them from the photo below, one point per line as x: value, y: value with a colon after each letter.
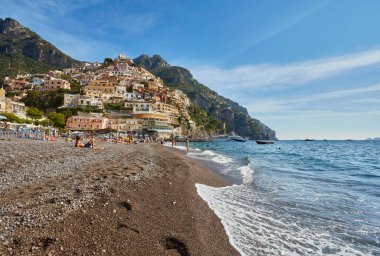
x: 262, y: 142
x: 266, y: 140
x: 235, y: 137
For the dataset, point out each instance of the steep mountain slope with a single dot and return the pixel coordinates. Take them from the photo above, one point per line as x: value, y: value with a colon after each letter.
x: 231, y: 113
x: 22, y: 50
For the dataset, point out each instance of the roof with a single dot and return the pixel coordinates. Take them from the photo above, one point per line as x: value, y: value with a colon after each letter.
x: 2, y: 117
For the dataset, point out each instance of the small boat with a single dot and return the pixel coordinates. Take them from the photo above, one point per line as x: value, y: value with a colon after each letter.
x: 262, y: 142
x: 266, y: 140
x: 235, y: 137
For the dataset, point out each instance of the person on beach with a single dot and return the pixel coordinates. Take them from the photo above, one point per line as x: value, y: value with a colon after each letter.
x: 162, y: 141
x: 187, y: 144
x: 90, y: 143
x: 78, y: 143
x: 173, y: 143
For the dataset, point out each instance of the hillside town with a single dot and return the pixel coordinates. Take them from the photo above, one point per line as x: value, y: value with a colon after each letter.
x: 114, y: 96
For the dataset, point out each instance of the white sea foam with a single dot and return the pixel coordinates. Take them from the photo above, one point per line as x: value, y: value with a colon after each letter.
x: 226, y: 165
x: 206, y: 153
x: 255, y: 229
x: 220, y: 159
x: 247, y: 174
x: 210, y: 155
x: 183, y: 148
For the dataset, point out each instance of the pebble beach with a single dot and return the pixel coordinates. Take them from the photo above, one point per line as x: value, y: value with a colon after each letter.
x: 119, y: 200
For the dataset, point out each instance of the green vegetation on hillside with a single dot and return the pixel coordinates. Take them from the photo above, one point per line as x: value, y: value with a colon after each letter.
x: 204, y: 120
x: 17, y: 64
x: 44, y: 100
x: 15, y: 119
x: 34, y: 113
x: 24, y: 51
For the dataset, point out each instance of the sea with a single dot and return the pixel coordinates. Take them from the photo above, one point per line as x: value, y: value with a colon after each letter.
x: 296, y: 197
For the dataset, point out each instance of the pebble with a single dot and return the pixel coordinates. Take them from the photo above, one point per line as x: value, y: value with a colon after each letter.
x: 38, y: 162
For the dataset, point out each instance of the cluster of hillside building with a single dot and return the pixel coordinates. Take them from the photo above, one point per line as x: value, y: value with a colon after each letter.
x: 126, y: 98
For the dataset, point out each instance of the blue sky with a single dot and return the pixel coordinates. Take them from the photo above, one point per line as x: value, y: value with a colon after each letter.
x: 308, y: 69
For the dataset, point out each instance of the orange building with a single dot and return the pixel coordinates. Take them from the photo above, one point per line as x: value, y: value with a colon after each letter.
x: 86, y: 122
x: 101, y: 85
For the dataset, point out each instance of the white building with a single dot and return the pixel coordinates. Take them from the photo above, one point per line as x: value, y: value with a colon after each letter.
x: 139, y: 106
x: 10, y: 106
x: 37, y: 81
x: 76, y: 100
x: 133, y: 96
x: 84, y: 101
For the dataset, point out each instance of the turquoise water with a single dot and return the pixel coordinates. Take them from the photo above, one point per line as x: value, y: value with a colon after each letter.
x: 297, y: 197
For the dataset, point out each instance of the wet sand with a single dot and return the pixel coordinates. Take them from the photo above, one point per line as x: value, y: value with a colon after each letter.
x: 122, y: 200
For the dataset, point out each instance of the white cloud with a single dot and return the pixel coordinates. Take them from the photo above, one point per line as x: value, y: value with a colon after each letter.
x: 281, y: 105
x: 269, y: 76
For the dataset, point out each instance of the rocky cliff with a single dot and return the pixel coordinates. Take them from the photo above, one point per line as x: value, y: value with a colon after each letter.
x: 22, y: 50
x: 227, y: 111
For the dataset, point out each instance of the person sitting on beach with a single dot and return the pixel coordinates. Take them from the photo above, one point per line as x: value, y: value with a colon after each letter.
x: 78, y: 143
x: 90, y: 143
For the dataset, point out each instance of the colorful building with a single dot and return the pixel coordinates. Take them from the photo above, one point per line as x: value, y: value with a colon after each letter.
x: 55, y: 84
x: 87, y: 122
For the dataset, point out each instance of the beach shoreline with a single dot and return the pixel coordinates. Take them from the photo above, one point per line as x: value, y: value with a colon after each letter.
x: 122, y: 200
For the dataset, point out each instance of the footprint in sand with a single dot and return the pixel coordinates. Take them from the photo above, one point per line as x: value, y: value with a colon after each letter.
x: 125, y: 205
x: 45, y: 242
x: 123, y: 225
x: 171, y: 243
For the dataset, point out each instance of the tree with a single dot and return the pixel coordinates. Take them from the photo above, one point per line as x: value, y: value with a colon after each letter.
x: 11, y: 117
x: 34, y: 113
x: 57, y: 119
x: 107, y: 62
x: 45, y: 122
x: 75, y: 86
x: 44, y: 100
x: 67, y: 112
